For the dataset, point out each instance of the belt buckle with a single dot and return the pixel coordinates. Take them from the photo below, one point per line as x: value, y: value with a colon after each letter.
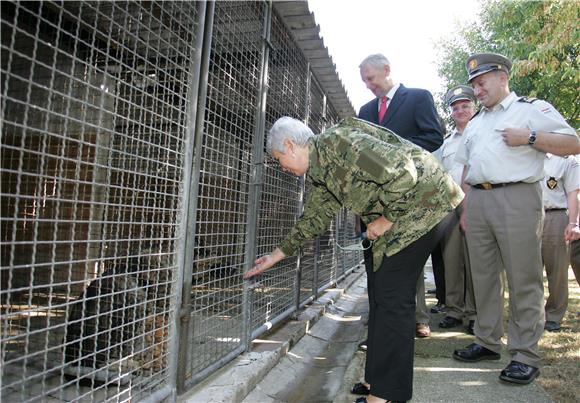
x: 487, y: 186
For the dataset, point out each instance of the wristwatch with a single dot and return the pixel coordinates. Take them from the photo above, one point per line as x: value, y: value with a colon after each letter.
x: 532, y: 138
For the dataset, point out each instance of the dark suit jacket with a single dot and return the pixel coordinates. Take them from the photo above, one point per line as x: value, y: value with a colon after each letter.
x: 411, y: 114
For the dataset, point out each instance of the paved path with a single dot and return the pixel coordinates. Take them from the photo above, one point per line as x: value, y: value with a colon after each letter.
x: 319, y: 363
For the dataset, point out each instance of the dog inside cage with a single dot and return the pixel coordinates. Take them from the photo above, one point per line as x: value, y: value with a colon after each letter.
x: 118, y: 324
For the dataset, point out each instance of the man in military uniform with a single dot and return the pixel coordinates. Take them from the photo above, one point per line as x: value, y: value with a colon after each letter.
x: 503, y: 151
x: 560, y: 195
x: 458, y: 284
x: 401, y: 192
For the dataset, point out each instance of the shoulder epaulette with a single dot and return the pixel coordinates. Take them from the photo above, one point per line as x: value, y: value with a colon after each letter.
x: 528, y: 100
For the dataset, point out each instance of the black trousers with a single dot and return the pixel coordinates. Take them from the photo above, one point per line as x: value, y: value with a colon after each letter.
x: 391, y: 329
x: 438, y: 272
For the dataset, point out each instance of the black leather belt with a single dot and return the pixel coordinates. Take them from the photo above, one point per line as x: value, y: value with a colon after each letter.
x: 489, y: 186
x: 555, y: 209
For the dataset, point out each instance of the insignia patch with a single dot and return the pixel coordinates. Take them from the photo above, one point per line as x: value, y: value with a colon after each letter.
x: 552, y: 183
x: 472, y: 64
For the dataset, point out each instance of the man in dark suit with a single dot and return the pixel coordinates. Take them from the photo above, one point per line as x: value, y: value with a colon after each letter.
x: 411, y: 114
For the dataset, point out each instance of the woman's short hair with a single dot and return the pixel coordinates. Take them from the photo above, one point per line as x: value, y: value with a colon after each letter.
x: 287, y: 128
x: 378, y: 60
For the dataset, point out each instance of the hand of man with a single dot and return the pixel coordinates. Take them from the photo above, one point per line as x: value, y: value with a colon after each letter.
x: 572, y: 232
x: 514, y: 137
x: 378, y: 227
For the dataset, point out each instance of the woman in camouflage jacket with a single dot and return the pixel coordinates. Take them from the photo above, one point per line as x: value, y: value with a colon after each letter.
x: 401, y: 192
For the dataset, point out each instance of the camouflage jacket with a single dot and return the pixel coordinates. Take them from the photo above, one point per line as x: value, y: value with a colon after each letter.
x: 373, y: 172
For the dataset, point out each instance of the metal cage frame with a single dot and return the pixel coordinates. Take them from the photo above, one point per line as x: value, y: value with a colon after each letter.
x: 135, y: 192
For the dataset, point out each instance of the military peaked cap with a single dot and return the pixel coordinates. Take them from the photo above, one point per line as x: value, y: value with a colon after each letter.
x: 459, y: 93
x: 481, y: 63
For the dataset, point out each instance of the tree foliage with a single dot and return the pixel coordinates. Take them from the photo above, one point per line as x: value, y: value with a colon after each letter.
x: 542, y: 39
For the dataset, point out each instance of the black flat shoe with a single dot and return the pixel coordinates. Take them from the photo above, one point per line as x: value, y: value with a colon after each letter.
x: 360, y: 389
x: 449, y: 321
x: 362, y: 346
x: 520, y: 373
x: 474, y: 352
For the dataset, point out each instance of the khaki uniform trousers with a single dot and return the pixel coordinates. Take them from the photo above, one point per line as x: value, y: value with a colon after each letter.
x: 421, y: 311
x: 459, y: 297
x: 504, y: 228
x: 556, y: 258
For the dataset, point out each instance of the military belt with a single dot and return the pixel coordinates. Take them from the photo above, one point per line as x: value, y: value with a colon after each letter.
x: 489, y: 186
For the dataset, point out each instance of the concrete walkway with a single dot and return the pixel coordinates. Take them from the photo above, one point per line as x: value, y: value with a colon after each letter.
x: 315, y: 359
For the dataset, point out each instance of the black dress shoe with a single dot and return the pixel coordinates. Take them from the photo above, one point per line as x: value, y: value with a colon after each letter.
x: 363, y: 399
x: 449, y: 321
x: 552, y: 326
x: 470, y: 327
x: 474, y: 352
x: 518, y: 372
x: 438, y: 308
x: 360, y: 389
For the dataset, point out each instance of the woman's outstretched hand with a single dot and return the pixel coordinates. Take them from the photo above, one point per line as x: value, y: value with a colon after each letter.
x: 264, y: 263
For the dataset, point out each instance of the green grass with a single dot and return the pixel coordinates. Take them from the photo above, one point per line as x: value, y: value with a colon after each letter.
x: 560, y: 351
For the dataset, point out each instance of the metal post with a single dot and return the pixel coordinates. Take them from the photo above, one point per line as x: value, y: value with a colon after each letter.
x: 298, y: 281
x: 197, y: 101
x: 256, y: 175
x: 315, y: 274
x: 307, y: 99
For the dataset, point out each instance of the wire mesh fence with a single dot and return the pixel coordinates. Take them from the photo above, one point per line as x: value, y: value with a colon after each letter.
x: 98, y: 149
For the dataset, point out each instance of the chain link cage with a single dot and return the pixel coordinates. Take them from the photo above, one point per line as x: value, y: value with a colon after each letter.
x: 99, y: 156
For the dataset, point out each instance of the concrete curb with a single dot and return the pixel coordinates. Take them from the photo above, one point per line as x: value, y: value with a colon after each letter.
x: 237, y: 379
x: 354, y: 373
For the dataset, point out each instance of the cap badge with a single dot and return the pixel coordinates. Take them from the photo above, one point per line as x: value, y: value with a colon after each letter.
x: 457, y: 91
x: 472, y: 64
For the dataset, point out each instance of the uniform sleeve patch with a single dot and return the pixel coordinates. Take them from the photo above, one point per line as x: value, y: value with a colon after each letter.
x: 372, y: 163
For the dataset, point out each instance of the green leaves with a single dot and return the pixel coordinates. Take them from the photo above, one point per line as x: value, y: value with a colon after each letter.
x: 541, y: 37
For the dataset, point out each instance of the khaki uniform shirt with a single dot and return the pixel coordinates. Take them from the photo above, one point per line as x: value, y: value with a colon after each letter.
x: 373, y: 172
x: 446, y: 154
x: 489, y: 159
x: 562, y: 176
